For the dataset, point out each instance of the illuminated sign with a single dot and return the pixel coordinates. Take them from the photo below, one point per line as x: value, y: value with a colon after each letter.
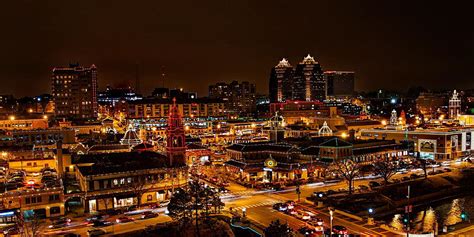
x: 270, y: 163
x: 426, y: 145
x: 8, y: 213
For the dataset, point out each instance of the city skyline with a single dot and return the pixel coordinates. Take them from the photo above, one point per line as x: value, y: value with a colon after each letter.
x: 198, y: 45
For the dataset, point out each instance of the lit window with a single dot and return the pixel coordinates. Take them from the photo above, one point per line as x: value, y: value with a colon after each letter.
x: 122, y: 181
x: 115, y: 182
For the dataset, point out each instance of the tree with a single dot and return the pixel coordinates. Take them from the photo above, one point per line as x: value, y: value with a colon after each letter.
x: 180, y: 206
x: 348, y: 169
x: 385, y: 168
x: 422, y: 163
x: 139, y: 186
x: 195, y: 198
x: 278, y: 229
x: 29, y: 226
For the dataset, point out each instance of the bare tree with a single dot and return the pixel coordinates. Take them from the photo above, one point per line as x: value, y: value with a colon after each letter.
x: 385, y: 168
x: 29, y: 226
x: 348, y: 169
x: 138, y: 187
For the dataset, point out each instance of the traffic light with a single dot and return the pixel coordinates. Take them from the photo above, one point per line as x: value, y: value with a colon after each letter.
x: 406, y: 219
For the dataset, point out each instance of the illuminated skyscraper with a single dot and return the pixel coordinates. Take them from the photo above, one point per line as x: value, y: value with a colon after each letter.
x: 309, y: 83
x: 74, y: 91
x: 281, y: 82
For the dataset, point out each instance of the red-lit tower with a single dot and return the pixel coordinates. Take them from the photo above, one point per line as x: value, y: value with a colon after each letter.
x: 175, y: 139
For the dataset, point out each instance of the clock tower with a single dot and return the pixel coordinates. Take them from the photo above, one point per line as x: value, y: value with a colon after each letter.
x: 175, y: 139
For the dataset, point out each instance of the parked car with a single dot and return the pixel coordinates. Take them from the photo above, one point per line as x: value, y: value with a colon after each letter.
x: 363, y: 188
x: 96, y: 232
x: 447, y: 169
x: 395, y: 181
x: 96, y: 217
x: 414, y: 176
x: 373, y: 184
x: 164, y: 203
x: 405, y: 178
x: 148, y: 215
x: 11, y: 231
x: 124, y: 219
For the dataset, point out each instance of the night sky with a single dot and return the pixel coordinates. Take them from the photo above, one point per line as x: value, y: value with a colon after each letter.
x: 389, y: 44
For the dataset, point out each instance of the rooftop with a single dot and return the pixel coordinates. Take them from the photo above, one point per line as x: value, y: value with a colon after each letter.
x: 96, y: 164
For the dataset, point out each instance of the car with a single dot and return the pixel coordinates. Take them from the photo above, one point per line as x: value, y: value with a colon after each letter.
x: 100, y: 223
x: 315, y: 221
x: 363, y: 188
x: 373, y: 184
x: 405, y: 178
x: 330, y: 191
x: 395, y: 181
x: 319, y: 194
x: 164, y: 203
x: 60, y: 223
x: 132, y: 208
x: 306, y: 231
x: 96, y: 217
x: 447, y: 169
x: 11, y: 231
x: 96, y: 232
x: 292, y: 212
x: 124, y: 219
x: 148, y: 215
x: 431, y: 173
x: 280, y: 206
x: 223, y: 190
x: 338, y: 229
x: 414, y: 176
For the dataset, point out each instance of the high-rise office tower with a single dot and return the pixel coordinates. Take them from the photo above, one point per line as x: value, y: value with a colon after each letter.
x: 74, y: 90
x: 281, y: 82
x: 309, y: 83
x: 240, y: 97
x: 339, y: 83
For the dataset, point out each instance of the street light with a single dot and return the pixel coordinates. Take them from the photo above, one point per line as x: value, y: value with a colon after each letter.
x: 244, y: 211
x: 12, y: 117
x: 331, y: 212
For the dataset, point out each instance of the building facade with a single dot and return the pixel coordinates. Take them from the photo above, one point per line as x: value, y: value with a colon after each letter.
x: 74, y: 91
x: 309, y: 83
x: 339, y: 83
x: 280, y: 84
x: 160, y: 108
x: 240, y: 98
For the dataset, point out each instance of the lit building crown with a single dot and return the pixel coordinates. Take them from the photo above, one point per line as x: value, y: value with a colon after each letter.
x: 308, y: 60
x: 283, y: 63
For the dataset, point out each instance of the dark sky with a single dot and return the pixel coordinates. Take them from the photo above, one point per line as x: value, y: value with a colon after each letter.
x: 390, y: 44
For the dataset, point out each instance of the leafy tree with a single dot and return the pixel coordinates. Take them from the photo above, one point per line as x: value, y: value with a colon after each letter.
x: 385, y: 168
x: 348, y: 169
x: 278, y: 229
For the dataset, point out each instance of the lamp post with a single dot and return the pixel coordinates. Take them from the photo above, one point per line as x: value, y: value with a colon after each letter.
x: 331, y: 213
